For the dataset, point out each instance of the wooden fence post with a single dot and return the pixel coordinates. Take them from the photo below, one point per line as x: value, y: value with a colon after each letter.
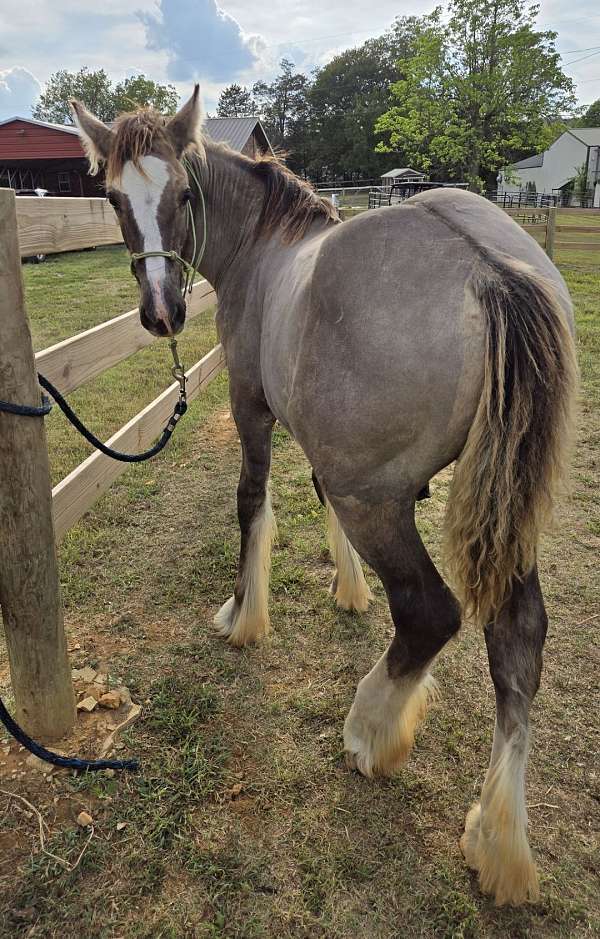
x: 550, y: 231
x: 29, y: 587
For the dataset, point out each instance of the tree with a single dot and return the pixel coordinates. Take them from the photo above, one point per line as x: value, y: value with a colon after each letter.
x: 235, y: 101
x: 282, y: 102
x: 99, y: 95
x: 140, y: 91
x: 93, y: 88
x: 591, y: 118
x: 481, y: 91
x: 348, y: 95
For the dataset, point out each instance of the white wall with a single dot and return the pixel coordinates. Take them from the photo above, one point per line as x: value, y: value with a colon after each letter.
x: 561, y: 162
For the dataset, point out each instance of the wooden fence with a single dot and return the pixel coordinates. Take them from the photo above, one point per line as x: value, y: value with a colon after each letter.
x: 48, y: 226
x: 32, y: 517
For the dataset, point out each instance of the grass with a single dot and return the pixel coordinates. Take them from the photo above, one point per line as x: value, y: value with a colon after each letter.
x: 244, y: 821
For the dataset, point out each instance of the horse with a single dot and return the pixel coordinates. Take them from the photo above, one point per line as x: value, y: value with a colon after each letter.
x: 389, y: 346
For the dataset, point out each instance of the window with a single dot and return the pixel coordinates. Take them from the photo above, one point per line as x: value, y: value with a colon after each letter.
x: 64, y: 182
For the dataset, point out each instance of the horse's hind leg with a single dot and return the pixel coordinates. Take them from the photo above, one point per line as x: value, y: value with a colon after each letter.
x: 244, y: 618
x: 495, y: 839
x: 348, y: 586
x: 392, y: 699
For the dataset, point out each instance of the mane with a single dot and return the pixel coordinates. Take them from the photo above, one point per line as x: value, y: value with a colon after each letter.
x: 290, y: 204
x: 136, y: 135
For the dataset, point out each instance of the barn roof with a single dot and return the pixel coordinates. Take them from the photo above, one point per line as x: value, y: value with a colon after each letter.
x: 529, y: 162
x: 590, y: 136
x: 30, y: 120
x: 234, y: 131
x: 403, y: 171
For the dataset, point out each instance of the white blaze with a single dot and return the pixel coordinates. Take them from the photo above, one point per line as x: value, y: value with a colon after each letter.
x: 144, y: 193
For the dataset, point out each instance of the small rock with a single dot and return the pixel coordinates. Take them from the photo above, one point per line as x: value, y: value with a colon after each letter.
x: 112, y: 700
x: 86, y: 674
x: 124, y: 694
x: 84, y: 820
x: 88, y: 704
x: 34, y: 762
x: 121, y: 826
x: 110, y: 773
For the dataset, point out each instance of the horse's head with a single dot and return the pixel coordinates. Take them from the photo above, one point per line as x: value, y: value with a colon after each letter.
x: 149, y: 190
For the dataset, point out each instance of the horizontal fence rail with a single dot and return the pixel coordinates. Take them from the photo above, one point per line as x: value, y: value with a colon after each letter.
x: 78, y: 491
x: 70, y: 363
x: 49, y: 226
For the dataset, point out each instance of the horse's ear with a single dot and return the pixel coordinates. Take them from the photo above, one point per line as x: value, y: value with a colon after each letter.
x: 184, y: 127
x: 96, y: 137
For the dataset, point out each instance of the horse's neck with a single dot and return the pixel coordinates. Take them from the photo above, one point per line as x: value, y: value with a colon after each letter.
x: 233, y: 200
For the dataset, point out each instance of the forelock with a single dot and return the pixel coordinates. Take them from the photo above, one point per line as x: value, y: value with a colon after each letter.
x: 137, y: 135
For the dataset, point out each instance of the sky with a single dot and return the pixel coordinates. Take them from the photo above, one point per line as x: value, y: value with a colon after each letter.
x: 182, y: 41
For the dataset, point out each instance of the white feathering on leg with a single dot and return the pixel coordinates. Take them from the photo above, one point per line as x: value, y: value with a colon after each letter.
x: 248, y: 621
x: 350, y: 588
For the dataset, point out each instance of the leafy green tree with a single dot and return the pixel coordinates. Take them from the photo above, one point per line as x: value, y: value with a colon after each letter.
x: 140, y: 91
x: 347, y: 96
x: 235, y: 101
x: 480, y: 91
x: 98, y: 94
x: 93, y: 88
x: 591, y: 118
x: 282, y: 102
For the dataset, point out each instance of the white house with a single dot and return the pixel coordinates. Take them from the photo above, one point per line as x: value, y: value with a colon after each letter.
x: 555, y: 168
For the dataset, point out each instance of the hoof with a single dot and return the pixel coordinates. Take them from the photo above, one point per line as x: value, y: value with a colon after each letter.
x: 503, y: 862
x: 237, y: 628
x: 353, y: 597
x: 382, y: 748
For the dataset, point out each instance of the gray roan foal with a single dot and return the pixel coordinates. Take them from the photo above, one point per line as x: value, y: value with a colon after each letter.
x: 389, y: 346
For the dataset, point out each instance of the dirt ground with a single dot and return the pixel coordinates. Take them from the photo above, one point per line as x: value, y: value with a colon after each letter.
x: 243, y: 820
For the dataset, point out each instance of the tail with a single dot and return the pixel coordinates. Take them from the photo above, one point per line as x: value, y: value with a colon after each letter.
x: 515, y: 459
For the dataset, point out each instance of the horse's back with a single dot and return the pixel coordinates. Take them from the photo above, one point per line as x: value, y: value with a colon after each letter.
x: 385, y: 358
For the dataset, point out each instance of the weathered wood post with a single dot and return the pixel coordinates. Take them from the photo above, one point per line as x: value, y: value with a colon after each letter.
x: 550, y: 231
x: 29, y: 587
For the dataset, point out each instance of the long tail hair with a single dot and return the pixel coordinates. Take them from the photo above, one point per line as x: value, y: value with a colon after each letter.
x: 515, y: 459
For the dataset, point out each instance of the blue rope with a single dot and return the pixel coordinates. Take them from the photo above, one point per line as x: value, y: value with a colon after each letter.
x: 27, y: 411
x: 66, y: 761
x: 179, y: 411
x: 24, y: 410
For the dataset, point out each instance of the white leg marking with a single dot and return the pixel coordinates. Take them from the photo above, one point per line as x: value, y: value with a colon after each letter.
x: 495, y: 839
x: 349, y: 586
x: 144, y: 193
x: 244, y: 623
x: 380, y: 728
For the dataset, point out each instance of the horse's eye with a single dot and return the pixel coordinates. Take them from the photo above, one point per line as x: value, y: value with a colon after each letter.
x: 186, y: 196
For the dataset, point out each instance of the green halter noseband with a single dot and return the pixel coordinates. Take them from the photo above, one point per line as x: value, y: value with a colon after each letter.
x: 190, y: 268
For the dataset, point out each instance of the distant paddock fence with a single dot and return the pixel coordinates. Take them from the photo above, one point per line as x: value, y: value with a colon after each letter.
x: 50, y: 226
x: 32, y: 516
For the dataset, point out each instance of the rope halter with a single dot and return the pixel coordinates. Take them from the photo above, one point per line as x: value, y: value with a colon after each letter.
x: 190, y: 267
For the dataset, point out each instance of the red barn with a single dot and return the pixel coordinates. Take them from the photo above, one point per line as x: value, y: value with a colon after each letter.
x: 38, y: 155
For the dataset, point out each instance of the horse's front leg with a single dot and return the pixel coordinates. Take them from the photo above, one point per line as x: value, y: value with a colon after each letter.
x: 244, y: 618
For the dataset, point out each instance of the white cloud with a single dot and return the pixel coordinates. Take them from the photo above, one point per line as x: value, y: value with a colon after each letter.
x: 181, y: 40
x: 200, y: 40
x: 19, y: 90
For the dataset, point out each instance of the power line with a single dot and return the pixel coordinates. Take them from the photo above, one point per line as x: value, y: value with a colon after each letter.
x: 588, y: 56
x: 574, y: 51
